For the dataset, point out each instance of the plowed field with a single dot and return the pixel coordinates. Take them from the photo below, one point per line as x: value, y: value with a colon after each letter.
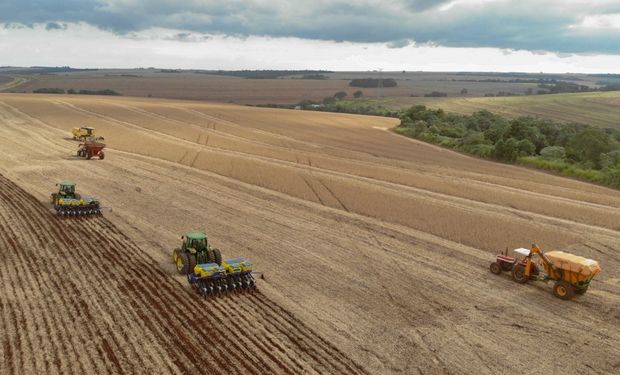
x: 375, y: 248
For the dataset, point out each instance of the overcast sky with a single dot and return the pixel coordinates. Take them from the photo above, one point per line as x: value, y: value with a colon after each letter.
x: 472, y: 35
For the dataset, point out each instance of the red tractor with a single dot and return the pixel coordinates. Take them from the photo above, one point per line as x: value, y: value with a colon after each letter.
x: 90, y: 149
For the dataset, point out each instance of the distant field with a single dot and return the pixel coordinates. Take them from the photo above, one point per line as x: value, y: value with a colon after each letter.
x: 285, y: 90
x: 598, y: 108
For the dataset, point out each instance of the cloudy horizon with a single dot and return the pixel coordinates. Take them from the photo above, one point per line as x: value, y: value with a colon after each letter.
x: 549, y: 36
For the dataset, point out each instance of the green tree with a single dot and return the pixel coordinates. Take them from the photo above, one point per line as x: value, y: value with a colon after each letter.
x: 329, y: 100
x: 358, y: 94
x: 496, y: 131
x: 588, y: 146
x: 610, y: 159
x: 510, y: 149
x: 553, y: 153
x: 340, y: 95
x: 419, y: 127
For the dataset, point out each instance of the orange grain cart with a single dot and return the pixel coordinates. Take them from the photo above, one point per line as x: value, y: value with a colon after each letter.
x: 89, y: 150
x: 572, y: 274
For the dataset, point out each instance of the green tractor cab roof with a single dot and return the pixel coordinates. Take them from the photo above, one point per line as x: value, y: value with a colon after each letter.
x: 196, y: 235
x: 66, y: 183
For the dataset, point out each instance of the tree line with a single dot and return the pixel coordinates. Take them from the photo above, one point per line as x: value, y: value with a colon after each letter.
x: 572, y: 149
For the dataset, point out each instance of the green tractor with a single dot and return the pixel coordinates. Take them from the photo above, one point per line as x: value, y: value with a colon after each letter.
x: 68, y: 202
x: 195, y: 249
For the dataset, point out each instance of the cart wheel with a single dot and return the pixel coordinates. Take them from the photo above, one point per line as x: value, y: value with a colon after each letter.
x: 495, y: 268
x: 563, y: 290
x: 518, y: 274
x: 101, y: 155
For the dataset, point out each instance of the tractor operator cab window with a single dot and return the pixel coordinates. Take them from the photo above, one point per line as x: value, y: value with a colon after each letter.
x: 67, y: 189
x: 198, y: 244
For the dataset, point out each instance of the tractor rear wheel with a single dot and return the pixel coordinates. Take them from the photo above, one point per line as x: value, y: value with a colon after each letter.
x: 518, y: 274
x: 495, y: 268
x: 563, y: 290
x: 182, y: 263
x: 217, y: 256
x: 192, y: 262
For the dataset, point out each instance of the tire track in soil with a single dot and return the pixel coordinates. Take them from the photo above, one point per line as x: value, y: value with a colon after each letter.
x: 297, y: 327
x: 219, y: 321
x: 68, y: 304
x: 74, y: 289
x: 21, y: 297
x: 38, y: 302
x: 191, y: 319
x: 140, y: 292
x: 172, y: 302
x: 109, y: 297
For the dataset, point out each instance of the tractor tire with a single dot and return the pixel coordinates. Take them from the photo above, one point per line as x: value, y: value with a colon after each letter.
x: 182, y: 263
x: 101, y: 156
x: 210, y: 256
x: 217, y: 255
x: 563, y: 290
x: 88, y: 157
x: 518, y: 274
x: 495, y: 268
x: 192, y: 262
x: 580, y: 291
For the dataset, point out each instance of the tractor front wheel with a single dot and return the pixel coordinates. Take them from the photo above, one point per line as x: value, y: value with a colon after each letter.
x: 518, y: 274
x: 563, y: 290
x: 101, y: 156
x: 495, y: 268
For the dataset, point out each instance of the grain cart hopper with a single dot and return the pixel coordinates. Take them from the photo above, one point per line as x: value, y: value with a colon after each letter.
x: 84, y: 133
x: 90, y: 149
x: 205, y: 270
x: 67, y: 202
x: 572, y: 274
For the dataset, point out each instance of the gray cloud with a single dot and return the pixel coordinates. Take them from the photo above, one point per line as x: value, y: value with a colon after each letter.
x: 55, y: 26
x: 539, y: 25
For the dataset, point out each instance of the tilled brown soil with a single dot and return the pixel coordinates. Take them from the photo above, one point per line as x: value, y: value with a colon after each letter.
x: 378, y: 243
x: 78, y: 296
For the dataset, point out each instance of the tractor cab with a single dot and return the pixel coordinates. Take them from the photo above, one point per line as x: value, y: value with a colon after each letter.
x: 87, y: 131
x: 195, y: 240
x: 66, y: 189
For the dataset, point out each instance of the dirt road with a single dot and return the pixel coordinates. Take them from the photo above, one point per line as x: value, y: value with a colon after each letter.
x: 376, y: 244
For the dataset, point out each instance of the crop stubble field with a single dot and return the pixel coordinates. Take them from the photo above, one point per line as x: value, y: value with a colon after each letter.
x: 372, y: 243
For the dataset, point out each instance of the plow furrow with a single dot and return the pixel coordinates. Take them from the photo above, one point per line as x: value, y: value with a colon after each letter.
x: 116, y: 311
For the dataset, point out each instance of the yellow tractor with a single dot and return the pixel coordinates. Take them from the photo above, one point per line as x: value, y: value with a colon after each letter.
x: 85, y: 133
x: 572, y: 274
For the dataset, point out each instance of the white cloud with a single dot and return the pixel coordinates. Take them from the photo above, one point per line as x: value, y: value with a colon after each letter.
x: 82, y: 45
x: 600, y: 21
